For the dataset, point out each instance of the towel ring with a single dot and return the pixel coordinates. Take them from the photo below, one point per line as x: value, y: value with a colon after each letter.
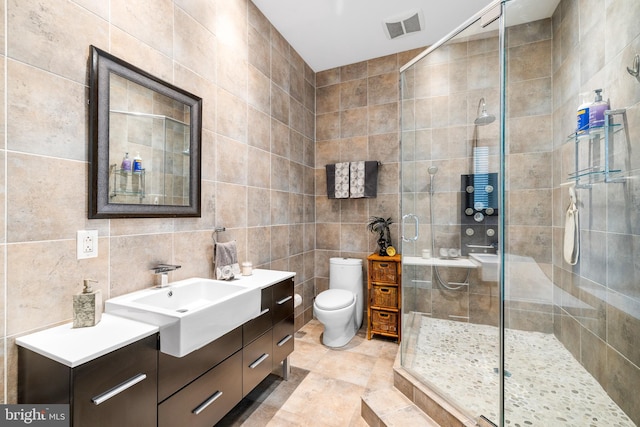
x: 217, y: 230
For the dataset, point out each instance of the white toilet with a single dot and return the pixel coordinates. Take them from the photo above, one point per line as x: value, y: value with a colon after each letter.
x: 340, y: 308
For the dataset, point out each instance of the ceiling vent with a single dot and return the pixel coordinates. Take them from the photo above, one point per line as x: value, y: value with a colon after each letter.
x: 409, y: 23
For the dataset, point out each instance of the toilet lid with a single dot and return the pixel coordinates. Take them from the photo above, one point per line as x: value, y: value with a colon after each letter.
x: 334, y: 299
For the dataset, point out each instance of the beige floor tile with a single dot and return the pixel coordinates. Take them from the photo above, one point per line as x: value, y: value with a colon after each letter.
x: 325, y: 400
x: 381, y: 375
x: 325, y: 385
x: 346, y: 366
x: 290, y: 420
x: 306, y: 355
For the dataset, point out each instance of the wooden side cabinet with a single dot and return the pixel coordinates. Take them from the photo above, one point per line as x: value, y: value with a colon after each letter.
x: 384, y: 296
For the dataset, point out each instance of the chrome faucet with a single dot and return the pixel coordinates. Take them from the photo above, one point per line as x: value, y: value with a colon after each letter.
x: 163, y: 270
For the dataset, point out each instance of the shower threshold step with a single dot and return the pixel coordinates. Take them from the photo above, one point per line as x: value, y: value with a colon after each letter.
x: 389, y: 407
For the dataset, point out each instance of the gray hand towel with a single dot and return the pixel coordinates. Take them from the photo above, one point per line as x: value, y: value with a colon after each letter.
x: 338, y: 180
x: 331, y: 181
x: 226, y: 259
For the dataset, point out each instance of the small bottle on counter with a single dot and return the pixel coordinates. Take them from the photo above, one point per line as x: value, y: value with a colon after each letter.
x: 87, y: 306
x: 247, y: 268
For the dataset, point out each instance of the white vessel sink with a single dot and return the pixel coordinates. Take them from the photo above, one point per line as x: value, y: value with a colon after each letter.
x: 190, y: 313
x: 488, y: 266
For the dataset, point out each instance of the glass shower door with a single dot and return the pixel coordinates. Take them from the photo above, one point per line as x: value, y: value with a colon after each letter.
x: 450, y: 158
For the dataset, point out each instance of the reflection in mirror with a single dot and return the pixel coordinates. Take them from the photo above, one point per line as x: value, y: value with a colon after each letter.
x: 146, y: 148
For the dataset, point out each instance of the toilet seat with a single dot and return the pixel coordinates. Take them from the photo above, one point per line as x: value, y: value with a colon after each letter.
x: 334, y: 299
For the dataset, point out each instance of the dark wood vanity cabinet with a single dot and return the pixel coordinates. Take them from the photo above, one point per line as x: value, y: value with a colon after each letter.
x: 268, y: 339
x: 206, y: 400
x: 283, y: 321
x: 201, y: 387
x: 165, y: 391
x: 117, y: 389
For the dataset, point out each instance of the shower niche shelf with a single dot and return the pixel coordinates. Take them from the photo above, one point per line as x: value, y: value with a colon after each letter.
x: 615, y: 121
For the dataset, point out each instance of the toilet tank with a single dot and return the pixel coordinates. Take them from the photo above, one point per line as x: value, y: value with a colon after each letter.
x: 346, y: 273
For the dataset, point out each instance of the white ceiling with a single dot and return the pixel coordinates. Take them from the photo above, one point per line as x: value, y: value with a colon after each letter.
x: 333, y: 33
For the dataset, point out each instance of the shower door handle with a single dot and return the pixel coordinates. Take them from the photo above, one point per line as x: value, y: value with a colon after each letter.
x: 415, y: 220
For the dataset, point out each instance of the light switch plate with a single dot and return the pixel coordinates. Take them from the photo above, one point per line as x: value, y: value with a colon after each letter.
x: 87, y: 244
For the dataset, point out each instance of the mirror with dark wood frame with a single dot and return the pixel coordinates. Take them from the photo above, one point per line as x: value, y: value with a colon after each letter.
x: 145, y: 143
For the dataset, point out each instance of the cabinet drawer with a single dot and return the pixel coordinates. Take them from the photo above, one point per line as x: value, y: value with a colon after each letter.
x: 258, y: 326
x: 119, y: 388
x: 283, y: 339
x: 384, y: 296
x: 205, y: 401
x: 176, y: 372
x: 282, y: 300
x: 257, y: 362
x: 383, y: 271
x: 384, y: 321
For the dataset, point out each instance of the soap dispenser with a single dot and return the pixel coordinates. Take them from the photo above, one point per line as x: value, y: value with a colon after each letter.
x: 87, y: 306
x: 597, y: 109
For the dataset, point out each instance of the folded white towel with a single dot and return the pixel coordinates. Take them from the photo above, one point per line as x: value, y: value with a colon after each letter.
x: 342, y: 180
x: 356, y: 183
x: 226, y: 260
x: 364, y: 179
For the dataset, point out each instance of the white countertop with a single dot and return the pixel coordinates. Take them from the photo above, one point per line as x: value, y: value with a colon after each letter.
x: 439, y: 262
x: 263, y: 278
x: 75, y: 346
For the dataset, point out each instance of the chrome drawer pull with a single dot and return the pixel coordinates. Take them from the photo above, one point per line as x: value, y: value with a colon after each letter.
x: 259, y: 361
x: 283, y: 300
x: 265, y: 311
x: 284, y: 340
x: 207, y: 402
x: 118, y: 389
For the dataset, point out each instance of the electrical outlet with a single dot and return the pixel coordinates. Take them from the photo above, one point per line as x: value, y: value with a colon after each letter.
x: 87, y: 244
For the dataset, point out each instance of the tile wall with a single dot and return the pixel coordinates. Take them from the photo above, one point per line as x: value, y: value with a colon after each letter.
x: 357, y: 119
x: 258, y: 152
x: 597, y: 313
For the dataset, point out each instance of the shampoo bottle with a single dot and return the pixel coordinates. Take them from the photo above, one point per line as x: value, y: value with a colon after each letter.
x: 87, y: 306
x: 137, y: 170
x: 597, y: 109
x: 125, y: 170
x: 582, y: 127
x: 137, y: 163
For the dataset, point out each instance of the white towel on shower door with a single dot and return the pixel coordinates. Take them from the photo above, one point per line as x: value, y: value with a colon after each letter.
x: 572, y: 231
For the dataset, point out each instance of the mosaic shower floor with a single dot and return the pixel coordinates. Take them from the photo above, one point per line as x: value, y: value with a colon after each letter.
x: 544, y: 384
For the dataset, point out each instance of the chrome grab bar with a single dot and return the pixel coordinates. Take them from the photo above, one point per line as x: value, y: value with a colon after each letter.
x: 415, y: 219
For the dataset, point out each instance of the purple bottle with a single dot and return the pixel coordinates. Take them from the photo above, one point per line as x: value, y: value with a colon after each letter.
x: 596, y: 110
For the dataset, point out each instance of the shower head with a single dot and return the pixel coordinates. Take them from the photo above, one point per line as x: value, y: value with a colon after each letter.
x: 483, y: 118
x: 432, y: 172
